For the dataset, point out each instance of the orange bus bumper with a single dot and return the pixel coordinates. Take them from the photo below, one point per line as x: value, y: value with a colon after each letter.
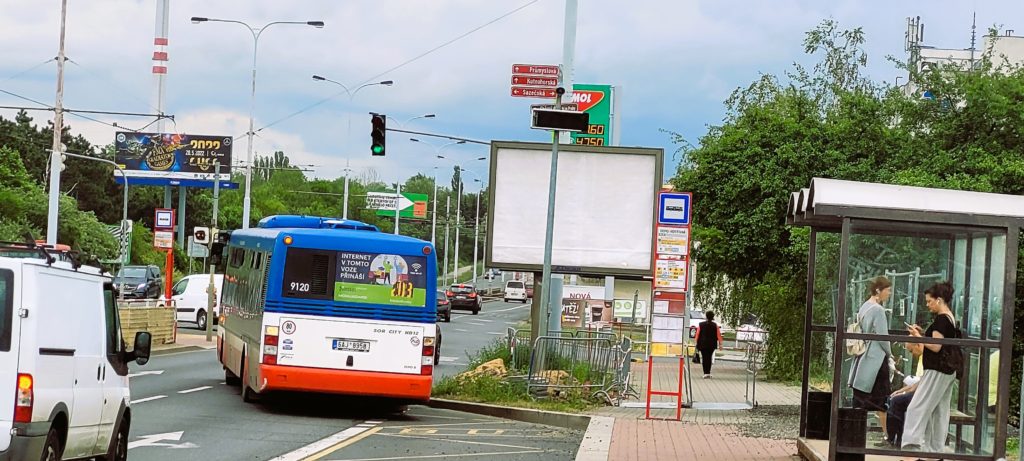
x: 348, y: 382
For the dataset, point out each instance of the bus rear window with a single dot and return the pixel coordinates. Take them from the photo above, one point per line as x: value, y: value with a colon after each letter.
x: 6, y: 308
x: 355, y: 277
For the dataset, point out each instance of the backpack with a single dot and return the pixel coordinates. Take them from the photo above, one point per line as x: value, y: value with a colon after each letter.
x: 951, y: 358
x: 855, y: 347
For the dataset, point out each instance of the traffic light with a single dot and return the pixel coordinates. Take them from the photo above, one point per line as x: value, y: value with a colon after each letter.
x: 379, y: 123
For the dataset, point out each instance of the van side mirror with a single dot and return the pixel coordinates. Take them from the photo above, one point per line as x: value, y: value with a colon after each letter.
x: 143, y: 343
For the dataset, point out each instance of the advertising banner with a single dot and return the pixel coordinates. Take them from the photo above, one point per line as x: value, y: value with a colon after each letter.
x: 410, y: 205
x: 172, y: 156
x: 624, y: 308
x: 595, y: 100
x: 574, y: 311
x: 375, y: 278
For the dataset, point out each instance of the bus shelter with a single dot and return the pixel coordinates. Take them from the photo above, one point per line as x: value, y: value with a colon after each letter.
x: 915, y: 237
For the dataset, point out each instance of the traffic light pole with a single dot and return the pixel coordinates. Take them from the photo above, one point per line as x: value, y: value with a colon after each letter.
x: 211, y: 290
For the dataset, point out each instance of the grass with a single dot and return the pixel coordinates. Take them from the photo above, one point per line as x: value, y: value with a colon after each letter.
x: 1013, y: 448
x: 500, y: 391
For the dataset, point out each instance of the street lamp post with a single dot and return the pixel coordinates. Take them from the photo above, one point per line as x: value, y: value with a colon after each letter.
x: 437, y: 155
x: 348, y: 134
x: 458, y: 214
x: 256, y: 33
x: 476, y: 226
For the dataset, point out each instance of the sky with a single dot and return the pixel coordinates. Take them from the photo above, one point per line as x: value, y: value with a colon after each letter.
x: 675, y: 61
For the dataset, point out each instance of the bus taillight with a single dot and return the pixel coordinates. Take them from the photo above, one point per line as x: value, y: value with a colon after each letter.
x: 427, y: 365
x: 270, y: 345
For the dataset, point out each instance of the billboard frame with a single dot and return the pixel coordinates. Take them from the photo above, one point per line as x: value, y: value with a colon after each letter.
x: 638, y: 274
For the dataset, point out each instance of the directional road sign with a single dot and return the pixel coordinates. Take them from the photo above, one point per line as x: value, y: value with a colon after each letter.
x: 532, y: 80
x: 410, y: 205
x: 530, y: 92
x: 535, y: 69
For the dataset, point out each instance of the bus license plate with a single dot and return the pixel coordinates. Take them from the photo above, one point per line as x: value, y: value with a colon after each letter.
x: 351, y: 345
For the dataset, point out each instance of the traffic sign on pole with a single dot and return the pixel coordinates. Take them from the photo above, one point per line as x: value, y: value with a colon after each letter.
x: 535, y: 69
x: 532, y: 92
x: 533, y: 80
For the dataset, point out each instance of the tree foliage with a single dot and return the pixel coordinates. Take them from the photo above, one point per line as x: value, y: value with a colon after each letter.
x: 832, y: 121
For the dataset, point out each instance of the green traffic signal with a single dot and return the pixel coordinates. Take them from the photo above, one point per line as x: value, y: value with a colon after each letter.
x: 377, y: 134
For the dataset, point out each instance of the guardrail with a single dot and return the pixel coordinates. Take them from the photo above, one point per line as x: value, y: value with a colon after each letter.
x: 563, y: 363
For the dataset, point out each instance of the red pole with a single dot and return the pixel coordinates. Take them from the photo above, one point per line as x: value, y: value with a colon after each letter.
x: 168, y: 282
x: 679, y: 402
x: 650, y: 374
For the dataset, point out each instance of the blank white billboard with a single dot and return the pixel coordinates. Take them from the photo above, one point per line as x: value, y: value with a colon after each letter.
x: 604, y: 208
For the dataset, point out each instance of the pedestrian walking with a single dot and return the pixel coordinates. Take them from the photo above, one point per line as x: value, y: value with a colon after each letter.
x: 709, y: 338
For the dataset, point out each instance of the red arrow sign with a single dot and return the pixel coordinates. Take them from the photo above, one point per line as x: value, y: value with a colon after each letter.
x: 534, y: 69
x: 534, y: 80
x: 530, y: 92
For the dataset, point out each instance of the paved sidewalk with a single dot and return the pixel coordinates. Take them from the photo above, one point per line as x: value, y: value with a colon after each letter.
x: 187, y: 340
x: 704, y: 433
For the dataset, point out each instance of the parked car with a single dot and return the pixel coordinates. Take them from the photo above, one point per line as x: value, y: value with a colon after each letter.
x: 191, y: 298
x: 63, y: 366
x: 751, y: 332
x: 464, y: 296
x: 139, y: 282
x: 491, y: 274
x: 529, y: 290
x: 444, y: 307
x: 514, y: 289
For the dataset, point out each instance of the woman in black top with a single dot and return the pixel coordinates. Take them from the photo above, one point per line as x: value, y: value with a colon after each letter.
x: 709, y: 338
x: 927, y: 420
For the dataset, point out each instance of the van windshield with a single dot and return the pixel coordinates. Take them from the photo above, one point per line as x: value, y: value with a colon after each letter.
x: 515, y: 284
x: 6, y: 309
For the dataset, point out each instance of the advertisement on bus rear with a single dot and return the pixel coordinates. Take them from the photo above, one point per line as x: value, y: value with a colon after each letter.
x: 376, y: 278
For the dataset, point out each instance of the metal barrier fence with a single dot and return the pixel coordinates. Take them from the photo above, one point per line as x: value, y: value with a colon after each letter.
x: 563, y: 363
x: 755, y: 358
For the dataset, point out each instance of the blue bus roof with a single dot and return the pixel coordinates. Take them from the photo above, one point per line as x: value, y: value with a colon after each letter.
x: 325, y: 233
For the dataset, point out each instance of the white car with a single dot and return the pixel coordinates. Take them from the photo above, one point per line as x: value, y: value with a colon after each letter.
x: 515, y: 289
x: 63, y: 365
x: 191, y: 298
x: 751, y: 333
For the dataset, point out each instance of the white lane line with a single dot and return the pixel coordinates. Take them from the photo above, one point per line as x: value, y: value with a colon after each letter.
x: 461, y: 330
x: 444, y: 359
x: 144, y: 373
x: 495, y: 333
x: 334, y: 442
x: 195, y: 389
x: 148, y: 399
x: 484, y: 320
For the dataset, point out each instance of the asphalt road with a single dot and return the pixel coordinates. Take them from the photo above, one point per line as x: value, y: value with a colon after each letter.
x: 183, y: 410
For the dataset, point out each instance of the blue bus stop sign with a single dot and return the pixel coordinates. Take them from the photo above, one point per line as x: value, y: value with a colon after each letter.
x: 674, y: 208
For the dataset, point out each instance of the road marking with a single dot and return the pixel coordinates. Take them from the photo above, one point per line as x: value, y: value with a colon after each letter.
x: 476, y: 422
x: 196, y: 389
x: 461, y: 330
x: 484, y: 320
x: 464, y: 455
x: 448, y: 359
x: 495, y: 333
x: 326, y: 446
x: 144, y: 373
x: 467, y: 442
x: 148, y: 399
x: 154, y: 441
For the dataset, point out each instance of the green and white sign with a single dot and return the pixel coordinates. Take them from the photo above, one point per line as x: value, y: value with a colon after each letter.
x: 375, y: 278
x: 410, y: 205
x: 595, y: 100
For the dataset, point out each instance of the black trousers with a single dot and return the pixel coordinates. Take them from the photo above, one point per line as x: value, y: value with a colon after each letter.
x: 706, y: 355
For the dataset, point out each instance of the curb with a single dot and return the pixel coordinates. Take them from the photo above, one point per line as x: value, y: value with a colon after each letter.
x: 176, y: 349
x: 526, y: 415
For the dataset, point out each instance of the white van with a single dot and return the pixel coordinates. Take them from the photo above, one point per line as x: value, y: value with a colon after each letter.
x: 63, y: 365
x: 191, y: 298
x: 515, y: 289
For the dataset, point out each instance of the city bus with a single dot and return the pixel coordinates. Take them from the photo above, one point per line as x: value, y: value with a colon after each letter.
x: 324, y: 305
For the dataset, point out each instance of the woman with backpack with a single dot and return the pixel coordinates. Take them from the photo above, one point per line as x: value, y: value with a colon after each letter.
x: 927, y: 421
x: 869, y: 376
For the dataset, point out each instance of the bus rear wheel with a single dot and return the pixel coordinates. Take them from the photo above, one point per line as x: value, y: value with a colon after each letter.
x: 248, y: 395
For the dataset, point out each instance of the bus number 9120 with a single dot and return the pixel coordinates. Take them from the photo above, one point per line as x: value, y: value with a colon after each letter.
x: 302, y: 287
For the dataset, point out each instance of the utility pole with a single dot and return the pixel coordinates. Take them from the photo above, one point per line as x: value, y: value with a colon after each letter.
x: 211, y: 290
x: 447, y: 212
x: 398, y: 204
x: 458, y: 216
x: 56, y: 160
x: 476, y: 236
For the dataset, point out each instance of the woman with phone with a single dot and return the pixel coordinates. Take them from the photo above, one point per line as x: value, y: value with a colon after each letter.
x: 927, y: 420
x: 869, y: 376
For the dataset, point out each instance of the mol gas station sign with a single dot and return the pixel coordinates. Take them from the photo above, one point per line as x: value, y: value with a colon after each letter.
x: 595, y: 100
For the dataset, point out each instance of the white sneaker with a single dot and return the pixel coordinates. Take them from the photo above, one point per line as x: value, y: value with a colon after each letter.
x: 707, y: 376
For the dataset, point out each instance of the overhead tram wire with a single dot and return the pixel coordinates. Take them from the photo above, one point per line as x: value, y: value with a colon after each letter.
x: 407, y: 62
x: 30, y: 69
x: 77, y: 113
